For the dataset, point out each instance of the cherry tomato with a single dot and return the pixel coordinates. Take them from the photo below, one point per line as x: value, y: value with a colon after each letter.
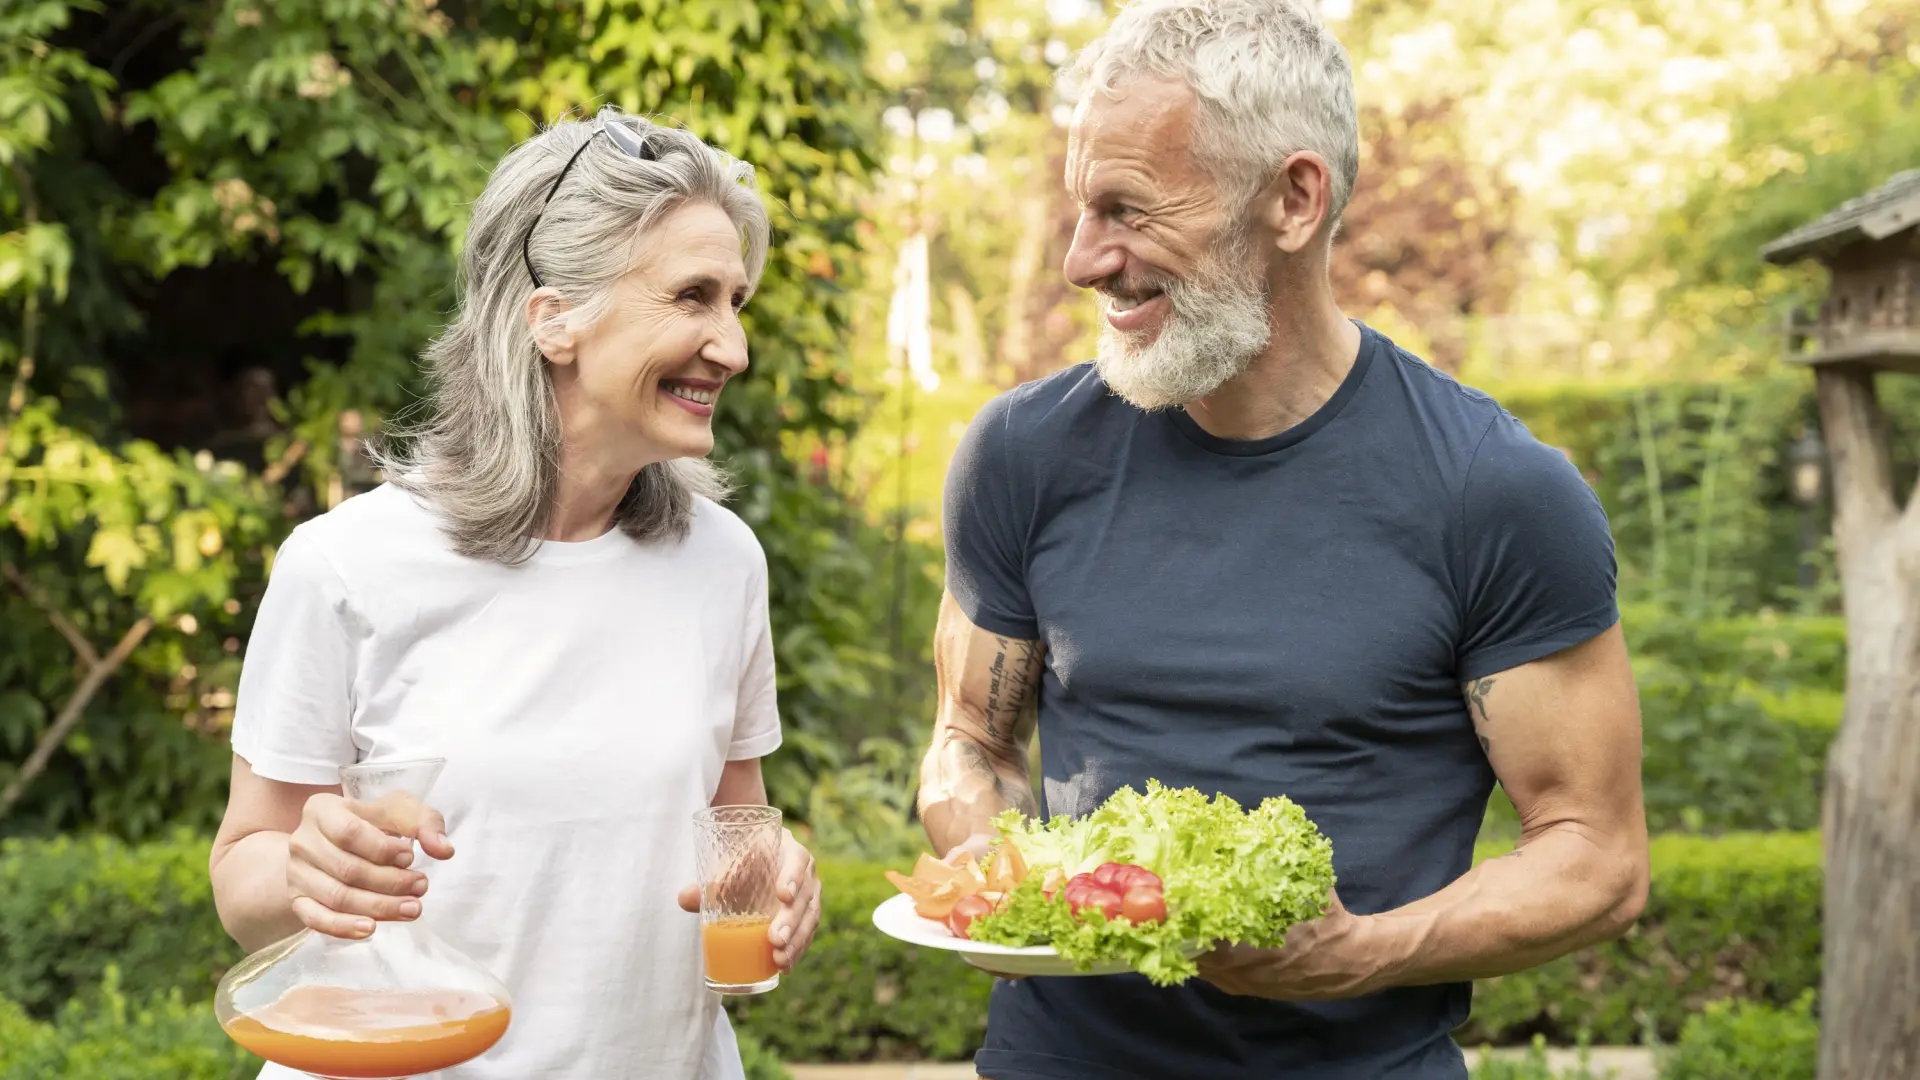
x: 1133, y: 876
x: 967, y: 909
x: 1109, y: 872
x: 1144, y: 905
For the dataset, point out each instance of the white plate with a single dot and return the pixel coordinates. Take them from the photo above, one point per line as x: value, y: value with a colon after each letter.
x: 896, y: 918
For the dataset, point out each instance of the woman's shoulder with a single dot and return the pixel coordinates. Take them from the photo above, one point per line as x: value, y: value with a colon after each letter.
x: 719, y: 532
x: 371, y: 526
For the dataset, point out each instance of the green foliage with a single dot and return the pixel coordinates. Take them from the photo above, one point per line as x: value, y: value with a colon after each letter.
x: 758, y: 1062
x: 325, y: 151
x: 111, y: 1035
x: 71, y: 907
x: 1738, y: 1040
x: 1534, y: 1066
x: 1694, y: 478
x: 1735, y: 916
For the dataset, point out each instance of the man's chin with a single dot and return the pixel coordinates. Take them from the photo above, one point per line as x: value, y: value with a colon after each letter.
x: 1140, y: 379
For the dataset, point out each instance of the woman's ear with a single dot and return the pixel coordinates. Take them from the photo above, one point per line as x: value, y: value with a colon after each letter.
x: 546, y: 317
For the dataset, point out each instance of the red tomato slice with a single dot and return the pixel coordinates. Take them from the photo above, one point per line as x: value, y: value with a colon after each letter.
x: 1144, y: 905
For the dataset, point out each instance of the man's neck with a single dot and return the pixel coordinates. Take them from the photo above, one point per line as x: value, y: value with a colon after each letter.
x: 1312, y: 348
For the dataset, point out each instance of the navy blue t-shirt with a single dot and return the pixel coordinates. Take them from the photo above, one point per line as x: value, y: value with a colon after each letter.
x: 1284, y: 616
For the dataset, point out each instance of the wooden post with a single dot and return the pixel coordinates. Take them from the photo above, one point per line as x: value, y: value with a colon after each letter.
x: 1870, y: 979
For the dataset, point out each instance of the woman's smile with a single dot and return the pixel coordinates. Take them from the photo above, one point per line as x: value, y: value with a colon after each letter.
x: 697, y: 396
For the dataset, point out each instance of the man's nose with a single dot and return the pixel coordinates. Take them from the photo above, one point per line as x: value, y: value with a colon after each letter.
x: 1094, y: 255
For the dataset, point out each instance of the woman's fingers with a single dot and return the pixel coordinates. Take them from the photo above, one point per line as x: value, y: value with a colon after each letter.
x: 791, y: 942
x: 343, y: 826
x: 338, y: 898
x: 321, y: 919
x: 796, y: 869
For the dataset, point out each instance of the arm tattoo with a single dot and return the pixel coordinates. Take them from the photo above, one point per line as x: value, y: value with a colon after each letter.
x: 1477, y: 691
x: 974, y: 760
x: 1010, y: 679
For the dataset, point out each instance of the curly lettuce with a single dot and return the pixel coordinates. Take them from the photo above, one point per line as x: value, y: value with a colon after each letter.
x: 1230, y: 876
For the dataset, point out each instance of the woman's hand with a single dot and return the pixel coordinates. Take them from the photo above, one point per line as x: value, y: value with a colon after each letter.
x: 347, y: 862
x: 798, y: 891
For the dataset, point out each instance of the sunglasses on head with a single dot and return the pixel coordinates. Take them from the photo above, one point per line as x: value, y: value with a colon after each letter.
x: 622, y: 137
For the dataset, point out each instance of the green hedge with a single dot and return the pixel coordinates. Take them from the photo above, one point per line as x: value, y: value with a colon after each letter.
x: 105, y: 1035
x: 1734, y: 916
x: 69, y: 907
x: 1730, y: 917
x: 1742, y: 1040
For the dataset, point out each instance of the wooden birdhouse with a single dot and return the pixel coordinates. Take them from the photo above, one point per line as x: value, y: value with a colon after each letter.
x: 1871, y: 246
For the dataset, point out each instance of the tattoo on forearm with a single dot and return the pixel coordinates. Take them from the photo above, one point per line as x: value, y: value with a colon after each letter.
x: 1477, y: 691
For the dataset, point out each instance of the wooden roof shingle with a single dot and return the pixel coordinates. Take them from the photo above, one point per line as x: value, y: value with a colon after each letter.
x: 1887, y: 209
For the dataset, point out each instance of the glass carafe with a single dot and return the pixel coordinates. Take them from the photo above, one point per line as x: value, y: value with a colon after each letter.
x: 399, y: 1003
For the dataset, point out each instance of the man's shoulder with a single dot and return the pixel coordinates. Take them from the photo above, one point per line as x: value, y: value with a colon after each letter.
x: 1058, y: 407
x: 1469, y: 423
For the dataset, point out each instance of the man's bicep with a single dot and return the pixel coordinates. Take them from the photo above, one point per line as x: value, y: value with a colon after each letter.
x: 1563, y: 735
x: 988, y: 682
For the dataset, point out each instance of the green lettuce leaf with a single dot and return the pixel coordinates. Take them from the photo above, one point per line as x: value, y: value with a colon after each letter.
x: 1232, y: 876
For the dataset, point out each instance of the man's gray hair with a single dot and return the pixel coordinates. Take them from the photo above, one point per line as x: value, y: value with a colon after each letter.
x: 487, y: 458
x: 1269, y: 81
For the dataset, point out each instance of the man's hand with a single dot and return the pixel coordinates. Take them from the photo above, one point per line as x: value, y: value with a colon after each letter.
x: 1333, y: 956
x: 794, y: 925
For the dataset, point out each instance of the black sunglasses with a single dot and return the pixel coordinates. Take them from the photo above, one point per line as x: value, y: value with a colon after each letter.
x: 620, y: 136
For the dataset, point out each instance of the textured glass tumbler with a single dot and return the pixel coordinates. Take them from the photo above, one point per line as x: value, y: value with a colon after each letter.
x: 738, y: 853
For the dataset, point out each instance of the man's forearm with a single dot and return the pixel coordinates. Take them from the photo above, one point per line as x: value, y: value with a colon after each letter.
x: 250, y: 890
x: 963, y: 787
x: 1562, y: 890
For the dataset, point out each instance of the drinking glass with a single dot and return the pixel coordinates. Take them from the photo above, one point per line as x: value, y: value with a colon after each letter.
x: 738, y: 856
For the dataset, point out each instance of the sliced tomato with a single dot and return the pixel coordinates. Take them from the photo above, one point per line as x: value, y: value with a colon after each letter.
x: 1098, y: 898
x: 1142, y: 904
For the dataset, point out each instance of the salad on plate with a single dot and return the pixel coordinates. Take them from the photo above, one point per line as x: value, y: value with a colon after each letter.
x: 1146, y: 882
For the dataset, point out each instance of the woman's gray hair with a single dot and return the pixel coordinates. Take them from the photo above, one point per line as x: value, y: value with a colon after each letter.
x: 1269, y: 81
x: 487, y: 457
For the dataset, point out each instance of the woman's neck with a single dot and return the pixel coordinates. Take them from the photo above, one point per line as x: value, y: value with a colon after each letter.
x: 588, y: 490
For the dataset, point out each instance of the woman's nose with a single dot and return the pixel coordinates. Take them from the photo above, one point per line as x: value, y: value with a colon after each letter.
x: 728, y: 347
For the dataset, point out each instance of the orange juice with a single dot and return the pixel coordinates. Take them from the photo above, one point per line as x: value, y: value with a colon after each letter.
x: 347, y: 1034
x: 738, y: 950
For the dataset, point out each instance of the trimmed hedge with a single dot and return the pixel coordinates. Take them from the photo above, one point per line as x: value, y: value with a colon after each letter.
x: 1741, y: 1040
x: 1735, y: 916
x: 1730, y: 917
x: 106, y: 1036
x: 69, y: 907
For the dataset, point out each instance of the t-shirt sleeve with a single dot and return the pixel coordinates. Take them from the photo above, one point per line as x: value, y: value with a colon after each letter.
x: 985, y: 536
x: 756, y: 718
x: 293, y: 712
x: 1538, y: 570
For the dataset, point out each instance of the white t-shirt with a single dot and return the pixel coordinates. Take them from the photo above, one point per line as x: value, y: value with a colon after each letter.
x: 585, y: 702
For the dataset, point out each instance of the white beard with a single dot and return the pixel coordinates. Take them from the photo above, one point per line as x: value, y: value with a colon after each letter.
x: 1215, y: 327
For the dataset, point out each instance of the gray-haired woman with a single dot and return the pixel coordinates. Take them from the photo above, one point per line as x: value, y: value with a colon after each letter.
x: 545, y: 593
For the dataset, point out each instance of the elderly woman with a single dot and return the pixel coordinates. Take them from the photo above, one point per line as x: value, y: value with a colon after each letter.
x: 546, y: 593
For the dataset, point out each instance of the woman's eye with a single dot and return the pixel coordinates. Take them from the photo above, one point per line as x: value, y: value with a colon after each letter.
x: 691, y: 296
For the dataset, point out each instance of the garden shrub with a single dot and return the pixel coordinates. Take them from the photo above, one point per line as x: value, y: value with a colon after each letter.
x: 107, y: 1035
x: 1740, y: 1040
x: 71, y: 906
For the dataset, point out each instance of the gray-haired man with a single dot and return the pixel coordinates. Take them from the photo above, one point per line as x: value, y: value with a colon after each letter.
x: 1256, y: 548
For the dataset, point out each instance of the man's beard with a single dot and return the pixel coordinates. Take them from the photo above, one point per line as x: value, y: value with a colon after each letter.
x: 1215, y: 326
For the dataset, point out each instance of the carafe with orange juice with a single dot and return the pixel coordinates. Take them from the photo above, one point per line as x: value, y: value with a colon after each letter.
x: 398, y: 1004
x: 738, y: 851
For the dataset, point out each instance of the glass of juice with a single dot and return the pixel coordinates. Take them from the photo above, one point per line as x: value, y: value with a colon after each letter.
x: 738, y: 854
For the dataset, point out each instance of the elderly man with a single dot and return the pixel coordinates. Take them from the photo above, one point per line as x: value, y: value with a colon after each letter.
x: 1256, y: 548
